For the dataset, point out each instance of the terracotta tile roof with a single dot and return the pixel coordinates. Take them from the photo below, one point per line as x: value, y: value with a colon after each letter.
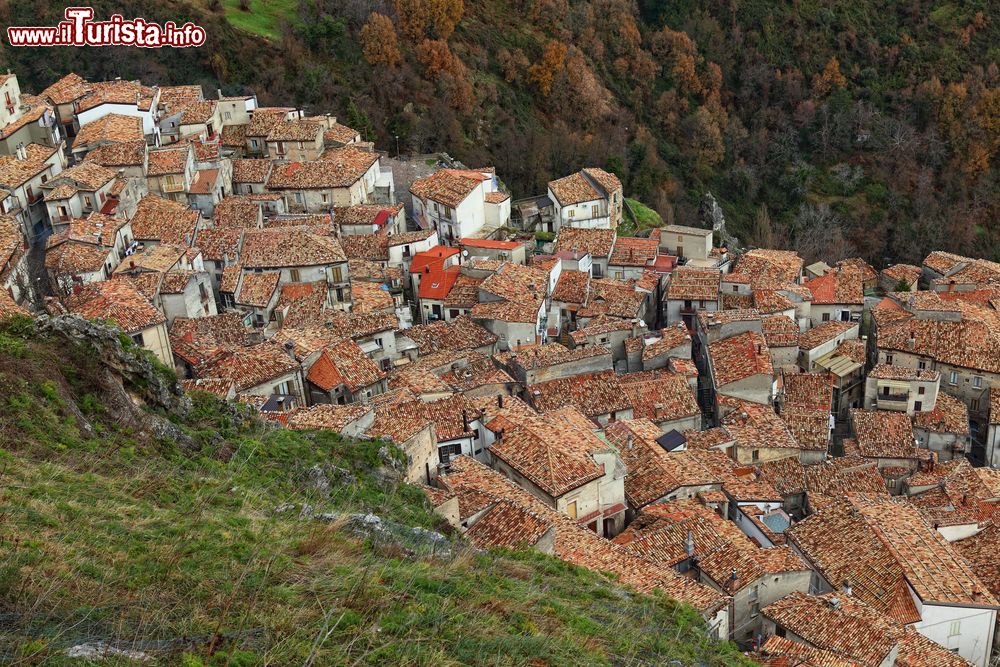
x: 780, y: 331
x: 583, y: 186
x: 576, y: 544
x: 264, y: 119
x: 706, y: 318
x: 340, y: 134
x: 631, y: 251
x: 459, y: 334
x: 653, y: 472
x: 507, y: 311
x: 994, y: 406
x: 14, y: 172
x: 480, y: 372
x: 732, y: 301
x: 739, y: 357
x: 165, y: 161
x: 406, y: 238
x: 980, y: 272
x: 757, y: 426
x: 419, y: 381
x: 67, y: 258
x: 164, y: 220
x: 825, y: 332
x: 980, y: 551
x: 67, y: 89
x: 808, y: 390
x: 234, y: 136
x: 257, y: 289
x: 118, y: 301
x: 337, y: 168
x: 96, y: 229
x: 173, y: 96
x: 598, y: 242
x: 449, y: 186
x: 883, y: 434
x: 112, y: 128
x: 506, y: 525
x: 573, y: 287
x: 593, y: 394
x: 373, y: 247
x: 251, y: 366
x: 748, y: 564
x: 693, y: 285
x: 125, y: 154
x: 769, y: 301
x: 289, y: 247
x: 906, y: 272
x: 973, y: 342
x: 890, y: 372
x: 87, y: 176
x: 766, y: 268
x: 550, y: 354
x: 740, y: 483
x: 117, y: 92
x: 295, y: 130
x: 669, y: 338
x: 712, y: 437
x: 217, y: 386
x: 230, y: 278
x: 659, y: 397
x: 550, y: 453
x: 344, y: 364
x: 943, y: 262
x: 330, y: 417
x: 781, y: 652
x: 366, y: 214
x: 197, y: 339
x: 251, y: 171
x: 877, y: 544
x: 833, y: 628
x: 659, y: 533
x: 369, y: 297
x: 205, y: 182
x: 950, y: 415
x: 614, y: 298
x: 215, y: 244
x: 841, y: 286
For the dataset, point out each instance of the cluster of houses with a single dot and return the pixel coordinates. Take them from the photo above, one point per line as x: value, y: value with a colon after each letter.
x: 806, y: 455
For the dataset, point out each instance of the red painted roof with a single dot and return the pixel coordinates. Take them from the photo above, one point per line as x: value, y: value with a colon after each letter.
x: 490, y: 244
x: 381, y: 217
x: 436, y: 284
x: 433, y: 258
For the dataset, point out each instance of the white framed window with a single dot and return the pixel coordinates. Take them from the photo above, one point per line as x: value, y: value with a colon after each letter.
x: 953, y: 377
x: 977, y: 382
x: 954, y: 628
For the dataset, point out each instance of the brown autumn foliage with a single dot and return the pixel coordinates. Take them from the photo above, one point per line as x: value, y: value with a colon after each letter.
x: 378, y: 41
x: 544, y: 71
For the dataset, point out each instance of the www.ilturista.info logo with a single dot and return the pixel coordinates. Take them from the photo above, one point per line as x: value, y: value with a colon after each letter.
x: 79, y: 30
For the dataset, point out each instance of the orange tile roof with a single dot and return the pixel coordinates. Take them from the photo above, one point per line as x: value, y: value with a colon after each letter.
x: 337, y: 168
x: 449, y: 186
x: 950, y: 415
x: 67, y: 89
x: 631, y: 251
x: 598, y: 242
x: 659, y: 396
x: 118, y: 301
x: 458, y: 334
x: 164, y: 220
x: 125, y: 154
x: 694, y: 285
x: 112, y: 128
x: 840, y: 286
x: 769, y: 268
x: 739, y: 357
x: 289, y: 247
x: 877, y: 543
x: 257, y: 289
x: 576, y: 544
x: 824, y: 333
x: 883, y: 434
x: 653, y: 472
x: 165, y: 161
x: 780, y: 331
x: 344, y: 363
x: 583, y: 186
x: 593, y: 394
x: 436, y: 284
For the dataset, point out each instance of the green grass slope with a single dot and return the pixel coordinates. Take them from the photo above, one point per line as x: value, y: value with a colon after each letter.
x: 208, y: 548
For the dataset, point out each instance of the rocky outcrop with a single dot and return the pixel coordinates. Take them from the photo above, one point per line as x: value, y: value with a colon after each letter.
x: 712, y: 216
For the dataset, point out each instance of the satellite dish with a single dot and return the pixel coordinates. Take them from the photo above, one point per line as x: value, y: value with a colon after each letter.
x: 465, y: 253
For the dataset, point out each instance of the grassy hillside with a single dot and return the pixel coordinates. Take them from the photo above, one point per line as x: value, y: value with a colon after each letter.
x: 231, y: 542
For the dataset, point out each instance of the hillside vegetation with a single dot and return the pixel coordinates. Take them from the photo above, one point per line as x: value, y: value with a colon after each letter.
x: 187, y: 532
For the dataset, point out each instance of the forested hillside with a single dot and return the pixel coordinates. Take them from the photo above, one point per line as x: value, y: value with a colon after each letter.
x: 836, y: 127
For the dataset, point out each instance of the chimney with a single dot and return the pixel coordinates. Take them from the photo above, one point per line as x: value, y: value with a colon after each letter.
x: 732, y: 576
x: 689, y: 544
x: 218, y: 93
x: 500, y: 401
x: 465, y: 420
x: 629, y: 445
x: 290, y: 349
x: 847, y: 588
x: 77, y: 288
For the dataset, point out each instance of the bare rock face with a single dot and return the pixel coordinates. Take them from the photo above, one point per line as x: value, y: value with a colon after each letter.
x: 128, y: 376
x: 712, y: 216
